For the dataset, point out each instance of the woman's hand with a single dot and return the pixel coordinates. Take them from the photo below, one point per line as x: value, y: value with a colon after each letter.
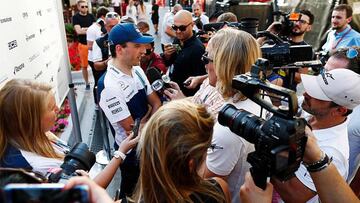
x: 129, y: 143
x: 97, y: 194
x: 174, y: 92
x: 194, y: 81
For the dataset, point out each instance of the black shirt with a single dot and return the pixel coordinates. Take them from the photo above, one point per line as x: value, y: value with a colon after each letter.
x: 187, y: 62
x: 83, y: 21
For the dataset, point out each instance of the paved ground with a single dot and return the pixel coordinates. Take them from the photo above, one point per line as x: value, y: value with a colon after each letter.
x: 89, y: 117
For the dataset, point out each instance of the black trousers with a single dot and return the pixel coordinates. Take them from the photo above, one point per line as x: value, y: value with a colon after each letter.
x: 97, y: 75
x: 130, y: 172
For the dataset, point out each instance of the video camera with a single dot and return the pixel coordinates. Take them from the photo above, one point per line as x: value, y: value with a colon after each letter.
x: 281, y: 53
x: 284, y: 28
x: 249, y: 25
x: 280, y: 141
x: 79, y: 157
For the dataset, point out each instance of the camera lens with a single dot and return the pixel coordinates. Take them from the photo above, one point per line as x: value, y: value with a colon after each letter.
x: 241, y: 122
x: 78, y: 158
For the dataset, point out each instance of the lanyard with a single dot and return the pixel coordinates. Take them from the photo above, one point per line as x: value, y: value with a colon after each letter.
x: 342, y: 37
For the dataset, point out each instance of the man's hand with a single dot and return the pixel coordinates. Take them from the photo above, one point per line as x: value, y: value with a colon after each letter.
x: 250, y: 193
x: 169, y: 49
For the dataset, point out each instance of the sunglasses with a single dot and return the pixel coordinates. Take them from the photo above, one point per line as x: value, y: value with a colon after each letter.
x: 205, y: 58
x: 112, y: 15
x: 83, y: 6
x: 182, y: 28
x: 148, y: 52
x: 351, y: 53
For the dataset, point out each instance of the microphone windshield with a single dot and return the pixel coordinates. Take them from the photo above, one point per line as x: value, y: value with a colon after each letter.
x: 155, y: 78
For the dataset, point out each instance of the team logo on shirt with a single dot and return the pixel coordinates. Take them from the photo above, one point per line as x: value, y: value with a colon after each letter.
x: 113, y: 104
x: 213, y: 147
x: 112, y: 98
x: 117, y: 110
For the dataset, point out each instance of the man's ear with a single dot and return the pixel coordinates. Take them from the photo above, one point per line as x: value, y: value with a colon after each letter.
x: 118, y: 49
x: 308, y: 29
x: 349, y: 19
x: 341, y: 110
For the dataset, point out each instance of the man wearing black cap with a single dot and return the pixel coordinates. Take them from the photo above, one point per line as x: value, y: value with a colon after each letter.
x: 127, y: 94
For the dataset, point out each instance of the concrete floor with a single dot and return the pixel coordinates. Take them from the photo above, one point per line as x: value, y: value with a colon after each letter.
x: 89, y: 118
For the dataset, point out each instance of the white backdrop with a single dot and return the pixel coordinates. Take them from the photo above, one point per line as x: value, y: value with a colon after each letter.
x: 32, y: 44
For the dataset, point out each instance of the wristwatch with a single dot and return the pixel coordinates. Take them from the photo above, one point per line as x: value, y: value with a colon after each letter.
x: 118, y: 155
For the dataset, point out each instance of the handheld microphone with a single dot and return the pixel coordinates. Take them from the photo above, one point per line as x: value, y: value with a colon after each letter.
x: 158, y: 82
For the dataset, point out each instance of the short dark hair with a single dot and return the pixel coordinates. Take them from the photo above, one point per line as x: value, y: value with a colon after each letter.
x: 227, y: 17
x: 113, y: 50
x: 309, y: 14
x: 347, y: 8
x: 101, y: 12
x: 353, y: 63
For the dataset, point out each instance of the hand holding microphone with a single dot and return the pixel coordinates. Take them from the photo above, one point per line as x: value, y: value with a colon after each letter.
x: 163, y: 85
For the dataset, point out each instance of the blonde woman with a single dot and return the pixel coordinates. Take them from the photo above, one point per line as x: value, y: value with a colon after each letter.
x: 173, y: 146
x: 230, y: 52
x: 141, y: 12
x: 27, y: 113
x: 131, y: 11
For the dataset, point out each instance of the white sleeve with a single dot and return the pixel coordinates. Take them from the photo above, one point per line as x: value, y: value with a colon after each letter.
x: 90, y: 34
x: 205, y: 19
x: 113, y: 104
x: 170, y: 21
x: 225, y: 151
x: 96, y: 52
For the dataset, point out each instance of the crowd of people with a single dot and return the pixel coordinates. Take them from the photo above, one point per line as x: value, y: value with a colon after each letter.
x: 183, y: 153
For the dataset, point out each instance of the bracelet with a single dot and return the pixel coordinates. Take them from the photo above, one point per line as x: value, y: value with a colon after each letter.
x: 319, y: 165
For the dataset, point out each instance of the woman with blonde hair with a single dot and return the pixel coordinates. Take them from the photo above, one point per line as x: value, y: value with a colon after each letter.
x: 141, y: 12
x: 27, y: 113
x: 172, y: 147
x: 230, y: 52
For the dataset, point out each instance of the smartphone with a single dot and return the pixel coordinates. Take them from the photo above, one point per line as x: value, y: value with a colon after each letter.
x: 136, y: 127
x: 177, y: 47
x: 45, y: 193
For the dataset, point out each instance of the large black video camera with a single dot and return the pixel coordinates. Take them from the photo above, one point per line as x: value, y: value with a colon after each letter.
x: 280, y: 141
x: 287, y: 23
x: 249, y: 25
x: 79, y: 157
x: 281, y: 52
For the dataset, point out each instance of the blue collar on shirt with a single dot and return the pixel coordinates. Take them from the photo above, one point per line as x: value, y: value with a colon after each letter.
x: 343, y: 32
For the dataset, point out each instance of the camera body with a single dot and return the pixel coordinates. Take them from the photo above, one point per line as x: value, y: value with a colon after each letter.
x: 44, y: 193
x: 79, y: 157
x: 279, y: 141
x: 281, y: 52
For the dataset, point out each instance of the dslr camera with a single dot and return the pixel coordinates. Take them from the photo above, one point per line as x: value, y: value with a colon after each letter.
x: 279, y: 141
x: 79, y: 157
